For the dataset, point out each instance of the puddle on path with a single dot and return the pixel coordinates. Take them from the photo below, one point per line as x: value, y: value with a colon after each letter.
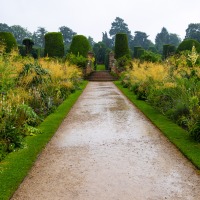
x: 107, y: 150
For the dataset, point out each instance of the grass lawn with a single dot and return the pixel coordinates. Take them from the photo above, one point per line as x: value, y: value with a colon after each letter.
x: 16, y: 165
x: 100, y: 68
x: 178, y: 136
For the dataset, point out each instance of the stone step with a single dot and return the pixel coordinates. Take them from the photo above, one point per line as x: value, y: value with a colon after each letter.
x: 101, y: 76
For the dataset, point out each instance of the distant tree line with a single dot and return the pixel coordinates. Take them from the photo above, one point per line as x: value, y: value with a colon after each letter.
x: 102, y: 48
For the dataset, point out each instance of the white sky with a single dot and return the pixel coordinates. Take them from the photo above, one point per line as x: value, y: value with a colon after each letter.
x: 92, y: 17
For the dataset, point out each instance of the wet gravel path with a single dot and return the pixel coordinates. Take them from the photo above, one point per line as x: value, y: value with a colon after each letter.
x: 107, y: 150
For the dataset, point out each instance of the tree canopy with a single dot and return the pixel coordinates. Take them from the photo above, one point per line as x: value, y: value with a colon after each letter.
x: 193, y: 31
x: 119, y: 26
x: 38, y: 36
x: 67, y: 35
x: 164, y: 37
x: 141, y: 39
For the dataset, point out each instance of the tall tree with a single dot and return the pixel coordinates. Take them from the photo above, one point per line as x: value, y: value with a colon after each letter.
x: 67, y: 35
x: 141, y: 39
x: 107, y: 41
x: 174, y: 39
x: 38, y: 37
x: 193, y: 31
x: 91, y: 41
x: 161, y: 39
x: 100, y: 52
x: 20, y: 33
x: 119, y: 26
x: 4, y: 28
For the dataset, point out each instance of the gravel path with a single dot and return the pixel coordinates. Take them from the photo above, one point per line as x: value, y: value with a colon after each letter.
x: 107, y: 150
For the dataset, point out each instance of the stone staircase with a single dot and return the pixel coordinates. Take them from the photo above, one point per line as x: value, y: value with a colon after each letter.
x: 101, y: 76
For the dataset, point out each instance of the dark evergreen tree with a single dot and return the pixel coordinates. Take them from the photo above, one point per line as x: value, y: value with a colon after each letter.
x: 7, y: 39
x: 193, y: 31
x: 38, y: 37
x: 161, y: 39
x: 28, y: 45
x: 54, y: 46
x: 67, y: 35
x: 141, y: 39
x: 121, y: 46
x: 100, y: 52
x: 4, y: 28
x: 91, y: 41
x: 119, y: 26
x: 107, y: 41
x: 174, y: 39
x: 80, y: 46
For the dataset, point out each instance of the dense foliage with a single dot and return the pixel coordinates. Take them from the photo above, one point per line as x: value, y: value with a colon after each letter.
x: 188, y: 44
x: 193, y: 31
x: 7, y: 41
x: 171, y: 87
x: 121, y: 45
x: 54, y: 46
x: 168, y: 50
x: 80, y: 46
x: 29, y: 91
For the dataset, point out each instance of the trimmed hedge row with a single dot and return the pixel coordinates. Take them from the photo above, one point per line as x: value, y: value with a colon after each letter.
x: 54, y: 46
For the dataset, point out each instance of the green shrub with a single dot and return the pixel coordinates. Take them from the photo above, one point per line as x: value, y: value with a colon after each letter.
x: 188, y: 44
x: 122, y: 62
x: 168, y: 50
x: 195, y: 131
x: 35, y: 52
x: 80, y: 46
x: 140, y: 52
x: 121, y: 45
x: 153, y: 49
x: 150, y: 57
x: 7, y: 39
x: 135, y: 53
x: 54, y: 46
x: 78, y: 60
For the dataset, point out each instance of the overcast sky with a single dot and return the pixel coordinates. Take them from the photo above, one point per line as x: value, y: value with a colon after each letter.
x: 92, y: 17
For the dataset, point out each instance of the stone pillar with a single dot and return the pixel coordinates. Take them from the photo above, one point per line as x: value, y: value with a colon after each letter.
x: 89, y: 69
x: 112, y: 66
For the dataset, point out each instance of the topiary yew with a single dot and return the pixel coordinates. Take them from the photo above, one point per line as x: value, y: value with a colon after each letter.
x: 80, y: 46
x: 54, y: 46
x: 28, y: 44
x: 121, y: 45
x: 188, y: 44
x: 7, y: 39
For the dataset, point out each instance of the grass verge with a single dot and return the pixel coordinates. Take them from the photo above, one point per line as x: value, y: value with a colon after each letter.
x: 100, y: 68
x: 16, y: 165
x: 178, y: 136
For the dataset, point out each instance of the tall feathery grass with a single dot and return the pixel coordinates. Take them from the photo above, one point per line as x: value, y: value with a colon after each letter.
x: 172, y: 87
x: 29, y: 91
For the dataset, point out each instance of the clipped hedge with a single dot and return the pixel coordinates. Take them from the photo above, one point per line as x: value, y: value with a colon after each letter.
x: 121, y: 45
x: 136, y: 50
x: 54, y: 46
x: 8, y: 39
x: 80, y: 46
x: 188, y: 44
x: 168, y: 50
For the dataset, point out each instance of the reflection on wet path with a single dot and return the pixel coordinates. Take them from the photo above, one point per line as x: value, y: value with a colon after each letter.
x: 106, y: 149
